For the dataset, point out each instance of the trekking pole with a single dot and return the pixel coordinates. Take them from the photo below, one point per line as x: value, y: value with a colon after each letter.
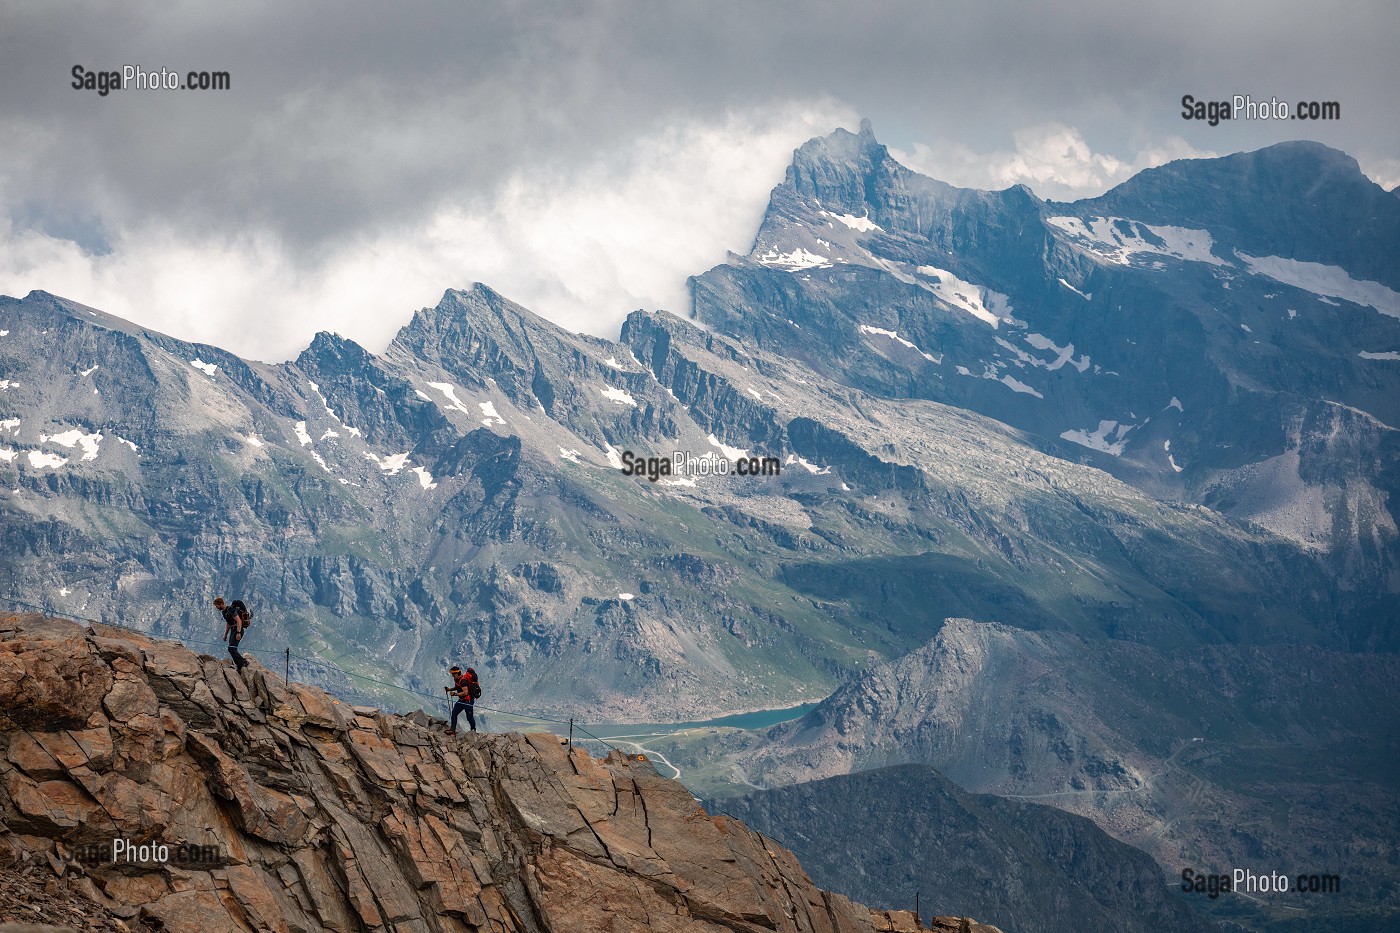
x: 571, y: 732
x: 917, y: 921
x: 288, y: 678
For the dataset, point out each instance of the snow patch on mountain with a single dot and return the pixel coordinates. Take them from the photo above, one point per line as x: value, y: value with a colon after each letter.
x: 324, y: 404
x: 390, y: 464
x: 425, y: 479
x: 982, y: 303
x: 614, y: 458
x: 733, y: 453
x: 302, y: 435
x: 1167, y: 446
x: 807, y: 465
x: 488, y: 409
x: 450, y: 392
x: 89, y: 371
x: 1387, y: 355
x: 76, y: 438
x: 1088, y: 297
x: 207, y: 368
x: 1325, y: 281
x: 1174, y: 403
x: 11, y: 425
x: 794, y: 261
x: 894, y: 335
x: 1063, y: 354
x: 1016, y: 385
x: 8, y: 455
x: 1116, y: 240
x: 620, y: 396
x: 1110, y: 437
x: 38, y: 459
x: 858, y: 224
x: 569, y: 455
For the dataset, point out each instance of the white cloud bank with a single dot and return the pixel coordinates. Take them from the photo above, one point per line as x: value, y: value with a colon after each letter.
x: 1052, y: 160
x: 582, y: 249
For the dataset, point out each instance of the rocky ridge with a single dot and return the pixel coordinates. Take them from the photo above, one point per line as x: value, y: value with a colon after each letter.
x: 309, y: 814
x: 1209, y: 756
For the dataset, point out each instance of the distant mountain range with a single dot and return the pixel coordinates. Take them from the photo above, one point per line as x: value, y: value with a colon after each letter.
x: 1148, y: 439
x: 882, y: 835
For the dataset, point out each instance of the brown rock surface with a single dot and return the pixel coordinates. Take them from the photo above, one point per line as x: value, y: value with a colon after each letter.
x: 285, y: 810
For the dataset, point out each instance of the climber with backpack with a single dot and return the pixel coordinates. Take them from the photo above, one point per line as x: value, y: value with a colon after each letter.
x: 236, y: 615
x: 466, y: 687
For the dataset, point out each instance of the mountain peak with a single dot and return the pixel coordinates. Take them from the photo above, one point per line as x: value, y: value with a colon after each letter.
x: 1299, y: 200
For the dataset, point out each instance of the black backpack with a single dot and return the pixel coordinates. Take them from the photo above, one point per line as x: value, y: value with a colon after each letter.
x: 473, y: 684
x: 241, y: 609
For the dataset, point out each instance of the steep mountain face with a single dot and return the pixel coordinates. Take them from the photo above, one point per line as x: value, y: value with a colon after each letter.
x: 1214, y: 757
x: 1216, y: 331
x: 282, y: 809
x: 460, y: 498
x: 880, y: 835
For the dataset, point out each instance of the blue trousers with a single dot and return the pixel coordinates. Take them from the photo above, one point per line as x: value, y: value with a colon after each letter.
x: 233, y: 639
x: 462, y: 707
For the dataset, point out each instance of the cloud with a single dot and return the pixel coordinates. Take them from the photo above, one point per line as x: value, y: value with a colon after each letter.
x: 1382, y: 170
x: 582, y: 246
x: 1052, y: 160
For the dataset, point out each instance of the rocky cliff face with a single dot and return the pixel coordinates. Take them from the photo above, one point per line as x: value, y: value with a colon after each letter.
x: 283, y: 809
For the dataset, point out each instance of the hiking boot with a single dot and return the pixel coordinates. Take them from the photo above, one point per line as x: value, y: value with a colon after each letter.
x: 451, y: 731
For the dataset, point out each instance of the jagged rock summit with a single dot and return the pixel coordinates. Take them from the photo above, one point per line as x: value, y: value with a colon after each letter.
x: 284, y: 809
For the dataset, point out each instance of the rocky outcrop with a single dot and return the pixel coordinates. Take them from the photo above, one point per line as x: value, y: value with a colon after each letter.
x: 281, y: 808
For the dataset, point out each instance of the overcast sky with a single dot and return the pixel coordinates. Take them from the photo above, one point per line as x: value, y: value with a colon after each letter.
x: 584, y: 158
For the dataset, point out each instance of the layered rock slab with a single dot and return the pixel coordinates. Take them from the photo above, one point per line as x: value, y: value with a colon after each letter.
x: 283, y: 809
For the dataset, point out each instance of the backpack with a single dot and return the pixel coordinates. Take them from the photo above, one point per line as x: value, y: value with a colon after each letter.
x: 241, y: 609
x: 473, y: 684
